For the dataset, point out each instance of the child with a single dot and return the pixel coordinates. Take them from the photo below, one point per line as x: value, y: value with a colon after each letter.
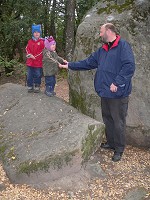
x: 34, y: 56
x: 51, y: 62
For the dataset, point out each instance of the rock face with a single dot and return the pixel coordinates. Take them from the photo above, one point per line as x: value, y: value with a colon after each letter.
x: 132, y: 18
x: 43, y: 139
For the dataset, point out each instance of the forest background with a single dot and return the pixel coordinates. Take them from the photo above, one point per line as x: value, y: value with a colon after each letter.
x: 59, y: 18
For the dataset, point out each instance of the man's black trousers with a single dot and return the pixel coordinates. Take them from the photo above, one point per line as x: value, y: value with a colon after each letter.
x: 114, y: 112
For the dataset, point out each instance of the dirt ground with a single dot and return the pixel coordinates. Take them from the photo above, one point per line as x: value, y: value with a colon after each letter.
x: 132, y: 173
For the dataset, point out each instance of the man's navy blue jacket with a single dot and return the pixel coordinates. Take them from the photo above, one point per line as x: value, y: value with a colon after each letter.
x: 116, y: 65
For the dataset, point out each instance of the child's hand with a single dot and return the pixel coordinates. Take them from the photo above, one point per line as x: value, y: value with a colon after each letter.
x: 28, y: 56
x: 63, y: 66
x: 32, y: 57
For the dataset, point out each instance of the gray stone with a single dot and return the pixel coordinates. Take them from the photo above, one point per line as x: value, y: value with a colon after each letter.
x: 120, y: 2
x: 136, y: 194
x: 132, y: 19
x: 2, y: 187
x: 44, y: 140
x: 96, y: 170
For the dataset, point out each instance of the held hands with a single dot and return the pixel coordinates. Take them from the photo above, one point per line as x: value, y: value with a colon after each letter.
x: 65, y: 66
x: 113, y: 88
x: 65, y: 61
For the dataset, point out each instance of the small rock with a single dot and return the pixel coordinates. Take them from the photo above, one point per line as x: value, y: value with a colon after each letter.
x: 137, y: 193
x: 2, y: 187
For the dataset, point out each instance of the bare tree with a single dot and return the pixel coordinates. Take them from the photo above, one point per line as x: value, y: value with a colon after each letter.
x: 46, y: 20
x: 70, y: 28
x: 53, y: 19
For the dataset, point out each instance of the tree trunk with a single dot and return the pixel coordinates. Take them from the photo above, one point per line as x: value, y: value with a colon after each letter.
x: 53, y: 16
x: 46, y: 5
x: 70, y: 29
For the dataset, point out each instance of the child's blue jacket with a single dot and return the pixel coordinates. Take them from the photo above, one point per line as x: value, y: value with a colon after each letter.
x: 116, y: 65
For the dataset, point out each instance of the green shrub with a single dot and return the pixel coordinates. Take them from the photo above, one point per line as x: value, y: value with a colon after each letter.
x: 11, y: 67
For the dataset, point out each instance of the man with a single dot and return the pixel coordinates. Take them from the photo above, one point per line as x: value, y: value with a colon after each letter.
x: 115, y: 67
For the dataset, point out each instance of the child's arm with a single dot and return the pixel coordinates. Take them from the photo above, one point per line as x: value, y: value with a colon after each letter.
x: 61, y: 60
x: 28, y: 51
x: 50, y: 57
x: 65, y: 61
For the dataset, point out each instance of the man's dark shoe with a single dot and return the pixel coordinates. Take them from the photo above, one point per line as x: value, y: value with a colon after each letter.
x: 106, y: 146
x: 117, y: 156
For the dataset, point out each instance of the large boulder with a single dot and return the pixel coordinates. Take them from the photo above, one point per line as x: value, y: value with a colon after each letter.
x: 132, y: 18
x: 44, y: 139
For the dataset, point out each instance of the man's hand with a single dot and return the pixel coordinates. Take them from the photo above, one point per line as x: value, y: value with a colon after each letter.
x: 113, y: 88
x: 64, y: 66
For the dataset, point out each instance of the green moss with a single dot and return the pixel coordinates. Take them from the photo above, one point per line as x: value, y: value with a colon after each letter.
x: 2, y: 151
x: 29, y: 167
x: 62, y: 74
x: 131, y: 27
x: 6, y: 152
x: 146, y: 132
x: 1, y: 131
x: 77, y: 78
x: 11, y: 153
x: 1, y: 137
x: 57, y: 162
x: 89, y: 145
x: 102, y: 10
x: 140, y: 15
x: 78, y: 100
x: 86, y: 45
x: 119, y: 8
x: 92, y: 100
x: 34, y: 134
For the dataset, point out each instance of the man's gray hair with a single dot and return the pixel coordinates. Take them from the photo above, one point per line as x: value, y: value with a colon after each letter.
x: 111, y: 27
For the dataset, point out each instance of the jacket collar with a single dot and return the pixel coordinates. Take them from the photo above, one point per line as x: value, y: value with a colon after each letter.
x: 105, y: 46
x: 36, y: 40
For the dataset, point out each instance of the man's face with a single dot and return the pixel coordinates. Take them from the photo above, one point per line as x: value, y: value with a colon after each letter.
x: 36, y: 34
x: 104, y: 35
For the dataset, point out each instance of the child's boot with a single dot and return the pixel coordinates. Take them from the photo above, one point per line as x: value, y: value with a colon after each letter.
x: 48, y: 91
x: 54, y: 93
x: 30, y: 89
x: 37, y: 88
x: 52, y: 89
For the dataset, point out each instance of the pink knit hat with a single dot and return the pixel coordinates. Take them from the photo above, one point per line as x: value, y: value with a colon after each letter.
x: 49, y: 41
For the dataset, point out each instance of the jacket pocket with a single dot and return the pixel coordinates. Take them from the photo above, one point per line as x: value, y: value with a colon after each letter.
x: 120, y: 90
